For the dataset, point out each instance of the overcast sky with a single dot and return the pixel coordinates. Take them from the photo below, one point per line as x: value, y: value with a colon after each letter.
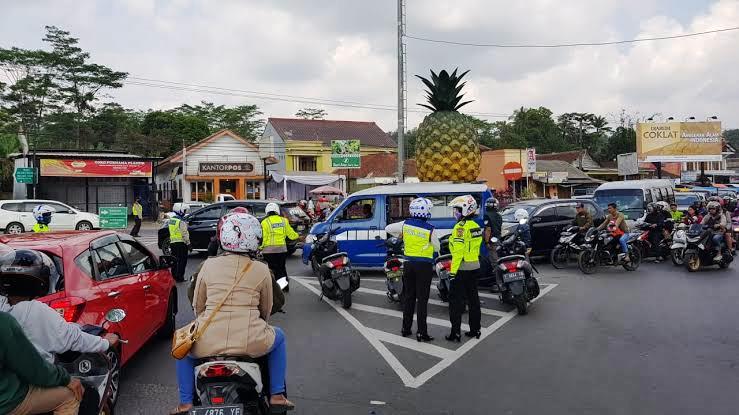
x: 346, y: 50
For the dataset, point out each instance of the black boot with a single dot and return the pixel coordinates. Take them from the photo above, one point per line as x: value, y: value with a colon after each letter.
x: 454, y: 337
x: 475, y: 334
x: 422, y: 337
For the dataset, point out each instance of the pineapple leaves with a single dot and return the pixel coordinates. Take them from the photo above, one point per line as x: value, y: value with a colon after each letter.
x: 444, y: 91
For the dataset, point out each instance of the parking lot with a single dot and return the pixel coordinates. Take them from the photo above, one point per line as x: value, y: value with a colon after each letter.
x: 659, y: 340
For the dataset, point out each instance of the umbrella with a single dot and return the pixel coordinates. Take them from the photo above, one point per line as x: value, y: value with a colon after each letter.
x: 326, y: 190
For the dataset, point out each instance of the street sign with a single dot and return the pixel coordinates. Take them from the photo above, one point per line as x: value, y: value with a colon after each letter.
x: 627, y: 164
x: 530, y: 160
x: 688, y: 176
x: 25, y: 175
x: 512, y: 170
x: 345, y: 154
x: 115, y: 217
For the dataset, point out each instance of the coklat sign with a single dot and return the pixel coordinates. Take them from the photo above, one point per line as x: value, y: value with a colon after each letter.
x: 679, y: 141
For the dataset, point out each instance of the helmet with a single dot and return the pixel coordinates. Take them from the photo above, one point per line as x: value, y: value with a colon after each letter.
x: 42, y: 213
x: 239, y: 209
x: 302, y: 203
x: 26, y: 275
x: 715, y: 199
x: 421, y: 208
x: 521, y: 214
x: 272, y: 208
x: 467, y: 204
x: 491, y: 203
x: 662, y: 205
x: 713, y: 205
x: 239, y: 232
x: 181, y: 209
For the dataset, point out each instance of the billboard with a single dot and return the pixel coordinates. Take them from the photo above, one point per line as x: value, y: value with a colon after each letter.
x: 530, y: 160
x: 679, y: 141
x: 95, y: 168
x: 345, y: 154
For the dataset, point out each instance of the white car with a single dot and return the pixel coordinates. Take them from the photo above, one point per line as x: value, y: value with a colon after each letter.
x: 16, y: 216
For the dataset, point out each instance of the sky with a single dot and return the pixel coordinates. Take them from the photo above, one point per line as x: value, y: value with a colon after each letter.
x: 345, y: 50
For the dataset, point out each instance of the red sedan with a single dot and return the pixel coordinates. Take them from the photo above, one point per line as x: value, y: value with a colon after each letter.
x: 103, y: 270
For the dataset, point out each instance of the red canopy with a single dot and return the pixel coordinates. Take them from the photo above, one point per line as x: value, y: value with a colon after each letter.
x: 326, y: 190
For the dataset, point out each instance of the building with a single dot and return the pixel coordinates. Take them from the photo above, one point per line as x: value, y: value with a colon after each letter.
x: 378, y: 169
x: 222, y: 163
x: 557, y: 179
x: 88, y: 180
x: 583, y: 161
x: 723, y: 171
x: 491, y: 169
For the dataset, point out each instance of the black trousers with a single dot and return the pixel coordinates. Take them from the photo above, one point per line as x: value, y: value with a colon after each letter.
x: 276, y: 263
x: 417, y: 278
x: 464, y: 287
x: 136, y: 226
x: 179, y: 250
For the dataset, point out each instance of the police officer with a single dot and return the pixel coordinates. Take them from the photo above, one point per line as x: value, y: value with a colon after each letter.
x: 179, y: 240
x: 42, y: 214
x: 275, y: 231
x: 464, y: 245
x: 420, y: 242
x: 138, y: 213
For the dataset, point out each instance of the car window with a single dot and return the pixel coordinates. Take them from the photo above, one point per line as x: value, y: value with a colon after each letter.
x: 29, y: 206
x: 592, y: 210
x: 257, y: 209
x: 13, y: 207
x: 566, y: 212
x: 547, y: 214
x: 109, y: 262
x: 360, y: 209
x: 208, y: 213
x: 398, y: 207
x: 139, y: 260
x: 58, y: 208
x: 84, y: 262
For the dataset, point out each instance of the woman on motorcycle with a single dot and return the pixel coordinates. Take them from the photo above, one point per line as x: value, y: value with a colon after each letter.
x: 248, y: 307
x: 692, y: 217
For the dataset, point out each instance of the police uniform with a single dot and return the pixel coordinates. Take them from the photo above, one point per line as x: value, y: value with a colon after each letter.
x: 275, y: 231
x: 179, y: 240
x: 464, y: 245
x: 419, y: 243
x: 137, y: 210
x: 41, y: 228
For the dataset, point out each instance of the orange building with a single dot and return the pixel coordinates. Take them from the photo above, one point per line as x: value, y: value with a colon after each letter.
x: 491, y: 168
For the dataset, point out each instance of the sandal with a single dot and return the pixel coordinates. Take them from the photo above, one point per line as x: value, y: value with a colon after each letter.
x: 281, y: 407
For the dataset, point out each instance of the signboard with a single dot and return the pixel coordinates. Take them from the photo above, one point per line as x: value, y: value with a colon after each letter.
x: 208, y: 167
x: 25, y: 175
x: 530, y: 160
x: 113, y: 217
x: 687, y: 176
x: 512, y: 170
x: 95, y: 168
x: 345, y: 154
x: 557, y: 177
x: 679, y: 141
x: 627, y: 164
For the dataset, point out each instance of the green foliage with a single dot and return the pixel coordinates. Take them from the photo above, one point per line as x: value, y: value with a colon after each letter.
x: 243, y: 120
x: 312, y: 114
x: 443, y: 92
x: 732, y: 137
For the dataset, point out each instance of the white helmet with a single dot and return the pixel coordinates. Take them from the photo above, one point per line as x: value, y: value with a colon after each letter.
x: 420, y: 208
x: 181, y: 209
x: 466, y: 203
x: 272, y: 207
x: 521, y: 214
x: 239, y: 232
x: 42, y: 213
x: 663, y: 205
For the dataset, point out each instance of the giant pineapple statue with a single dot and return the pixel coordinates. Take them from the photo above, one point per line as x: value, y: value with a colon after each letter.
x: 447, y: 147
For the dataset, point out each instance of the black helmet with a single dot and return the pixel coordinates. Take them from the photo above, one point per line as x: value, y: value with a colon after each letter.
x: 26, y: 275
x: 491, y: 203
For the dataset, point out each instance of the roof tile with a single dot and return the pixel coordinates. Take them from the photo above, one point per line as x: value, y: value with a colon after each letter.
x: 368, y: 133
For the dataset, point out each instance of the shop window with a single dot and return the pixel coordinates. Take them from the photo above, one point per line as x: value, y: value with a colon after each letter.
x: 398, y: 206
x: 253, y: 189
x: 307, y: 163
x: 361, y: 209
x: 201, y: 191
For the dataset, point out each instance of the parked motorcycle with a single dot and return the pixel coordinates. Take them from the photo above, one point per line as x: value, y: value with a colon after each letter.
x: 514, y: 276
x: 394, y: 262
x: 700, y: 250
x: 601, y: 248
x: 679, y: 243
x: 566, y: 248
x: 334, y: 270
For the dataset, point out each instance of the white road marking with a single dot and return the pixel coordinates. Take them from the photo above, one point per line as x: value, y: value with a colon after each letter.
x: 377, y: 403
x: 396, y: 313
x: 412, y: 343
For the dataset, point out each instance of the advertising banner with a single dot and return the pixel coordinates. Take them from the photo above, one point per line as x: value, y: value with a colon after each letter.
x: 95, y: 168
x: 345, y: 154
x: 530, y: 160
x: 679, y: 141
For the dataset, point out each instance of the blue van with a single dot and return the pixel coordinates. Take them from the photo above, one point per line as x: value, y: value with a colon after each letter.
x: 363, y: 215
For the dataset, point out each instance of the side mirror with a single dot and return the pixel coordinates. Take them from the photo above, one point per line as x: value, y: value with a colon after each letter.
x: 167, y: 261
x: 115, y: 315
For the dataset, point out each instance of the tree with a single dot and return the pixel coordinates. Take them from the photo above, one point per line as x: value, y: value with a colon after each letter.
x: 535, y: 127
x: 732, y: 137
x: 312, y: 114
x: 29, y: 93
x: 244, y: 120
x: 171, y: 128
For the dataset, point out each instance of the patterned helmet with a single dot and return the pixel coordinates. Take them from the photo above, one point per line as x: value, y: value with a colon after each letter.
x: 663, y: 205
x: 421, y: 208
x: 272, y: 208
x: 466, y: 203
x: 239, y: 232
x: 713, y: 205
x: 182, y: 209
x: 42, y: 213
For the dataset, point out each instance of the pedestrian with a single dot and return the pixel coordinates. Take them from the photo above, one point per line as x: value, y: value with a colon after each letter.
x: 419, y: 244
x: 275, y: 232
x: 179, y: 240
x: 138, y: 213
x: 464, y: 245
x: 42, y: 214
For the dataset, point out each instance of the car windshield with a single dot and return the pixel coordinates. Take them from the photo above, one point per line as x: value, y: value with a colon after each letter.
x: 630, y: 202
x: 509, y: 212
x: 685, y: 199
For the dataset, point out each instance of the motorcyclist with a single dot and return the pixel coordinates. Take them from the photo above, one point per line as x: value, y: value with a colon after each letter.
x: 522, y: 217
x: 717, y: 221
x: 179, y: 240
x: 42, y: 214
x: 306, y: 214
x: 493, y: 226
x: 276, y: 230
x: 676, y: 215
x: 656, y: 221
x: 620, y: 229
x: 583, y: 219
x: 729, y: 205
x: 692, y: 216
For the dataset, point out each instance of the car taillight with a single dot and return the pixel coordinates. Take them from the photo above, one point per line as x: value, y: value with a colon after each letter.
x: 219, y: 371
x: 70, y: 308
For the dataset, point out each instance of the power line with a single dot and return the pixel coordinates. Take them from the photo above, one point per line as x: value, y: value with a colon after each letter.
x: 570, y: 45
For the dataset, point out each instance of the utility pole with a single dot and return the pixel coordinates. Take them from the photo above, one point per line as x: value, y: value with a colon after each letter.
x: 401, y: 90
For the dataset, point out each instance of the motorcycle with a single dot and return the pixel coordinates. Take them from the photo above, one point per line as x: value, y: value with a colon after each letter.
x: 516, y: 282
x: 394, y: 262
x: 735, y: 230
x: 566, y: 248
x: 335, y: 274
x: 662, y: 250
x: 679, y: 243
x: 699, y: 249
x: 443, y: 268
x: 601, y: 248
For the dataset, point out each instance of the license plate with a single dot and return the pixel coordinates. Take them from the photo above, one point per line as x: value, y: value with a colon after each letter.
x: 514, y: 276
x: 219, y: 410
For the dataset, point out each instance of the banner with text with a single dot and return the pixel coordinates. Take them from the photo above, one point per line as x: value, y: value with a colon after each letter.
x: 345, y: 154
x: 95, y: 168
x: 679, y: 141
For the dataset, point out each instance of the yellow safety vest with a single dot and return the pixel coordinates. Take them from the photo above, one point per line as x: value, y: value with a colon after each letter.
x: 464, y: 243
x: 275, y: 231
x: 417, y: 242
x: 136, y: 210
x: 40, y: 228
x: 175, y: 234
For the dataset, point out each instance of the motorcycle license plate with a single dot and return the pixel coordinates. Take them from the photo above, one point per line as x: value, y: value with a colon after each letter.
x: 514, y: 276
x: 218, y: 410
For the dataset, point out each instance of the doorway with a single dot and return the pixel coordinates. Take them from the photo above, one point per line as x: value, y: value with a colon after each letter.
x: 229, y: 186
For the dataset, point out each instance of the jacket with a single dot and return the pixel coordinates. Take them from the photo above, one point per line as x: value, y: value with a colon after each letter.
x: 583, y: 220
x: 420, y: 241
x: 49, y: 332
x: 21, y: 366
x: 275, y: 232
x: 464, y: 245
x: 240, y: 327
x: 494, y: 221
x: 620, y: 221
x: 709, y: 220
x: 182, y: 228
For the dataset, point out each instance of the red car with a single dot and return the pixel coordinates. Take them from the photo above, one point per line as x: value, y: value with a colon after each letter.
x: 103, y: 270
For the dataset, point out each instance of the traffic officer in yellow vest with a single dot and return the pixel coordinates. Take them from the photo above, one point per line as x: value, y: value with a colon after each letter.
x: 138, y: 213
x: 179, y: 240
x: 464, y: 245
x: 42, y: 214
x: 275, y: 231
x: 419, y: 244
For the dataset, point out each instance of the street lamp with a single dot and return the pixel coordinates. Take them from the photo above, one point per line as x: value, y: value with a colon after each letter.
x: 267, y: 161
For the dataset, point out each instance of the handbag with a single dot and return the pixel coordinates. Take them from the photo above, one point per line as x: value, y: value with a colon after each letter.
x: 186, y: 336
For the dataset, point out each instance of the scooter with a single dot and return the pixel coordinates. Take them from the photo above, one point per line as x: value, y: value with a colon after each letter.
x: 662, y: 250
x: 394, y: 262
x: 679, y: 243
x: 515, y: 279
x: 443, y: 268
x: 335, y: 274
x: 566, y: 248
x: 700, y: 250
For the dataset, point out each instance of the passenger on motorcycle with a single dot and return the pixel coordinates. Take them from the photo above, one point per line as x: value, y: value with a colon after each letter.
x: 677, y: 215
x: 692, y: 216
x: 716, y: 220
x: 522, y: 216
x: 249, y: 306
x: 620, y: 228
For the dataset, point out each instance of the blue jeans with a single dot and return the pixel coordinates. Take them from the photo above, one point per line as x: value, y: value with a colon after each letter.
x: 622, y: 241
x: 718, y: 241
x: 276, y: 359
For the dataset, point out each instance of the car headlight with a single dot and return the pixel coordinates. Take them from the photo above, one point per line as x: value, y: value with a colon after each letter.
x: 310, y: 238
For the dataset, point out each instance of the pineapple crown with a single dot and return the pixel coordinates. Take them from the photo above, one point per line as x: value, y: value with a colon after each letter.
x: 443, y: 92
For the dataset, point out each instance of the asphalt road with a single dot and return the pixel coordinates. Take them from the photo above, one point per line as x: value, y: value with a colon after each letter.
x: 655, y: 341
